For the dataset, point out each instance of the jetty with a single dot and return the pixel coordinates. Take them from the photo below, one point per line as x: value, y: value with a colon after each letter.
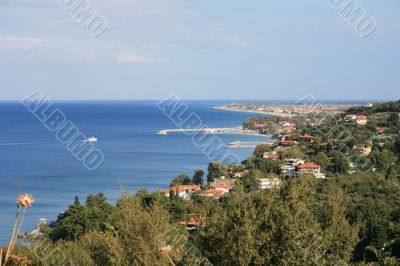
x: 226, y: 130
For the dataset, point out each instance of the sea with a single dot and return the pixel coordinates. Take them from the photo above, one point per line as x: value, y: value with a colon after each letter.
x: 33, y: 159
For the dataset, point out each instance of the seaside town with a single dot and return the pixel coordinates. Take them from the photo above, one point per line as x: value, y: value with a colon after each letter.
x: 289, y: 110
x: 330, y: 159
x: 287, y: 155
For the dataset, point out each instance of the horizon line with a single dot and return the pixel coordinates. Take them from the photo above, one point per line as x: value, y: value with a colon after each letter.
x: 189, y: 99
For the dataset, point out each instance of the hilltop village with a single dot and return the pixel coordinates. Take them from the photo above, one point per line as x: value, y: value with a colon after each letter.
x: 318, y: 144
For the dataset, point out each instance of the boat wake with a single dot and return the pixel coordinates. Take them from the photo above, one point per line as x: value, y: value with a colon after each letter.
x: 91, y: 139
x: 27, y: 143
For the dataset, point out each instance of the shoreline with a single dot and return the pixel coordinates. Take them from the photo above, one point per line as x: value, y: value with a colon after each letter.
x: 254, y: 112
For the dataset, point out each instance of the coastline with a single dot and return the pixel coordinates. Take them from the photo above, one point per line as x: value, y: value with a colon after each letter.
x: 254, y: 112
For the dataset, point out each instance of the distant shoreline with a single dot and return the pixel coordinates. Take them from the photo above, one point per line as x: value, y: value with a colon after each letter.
x: 254, y: 112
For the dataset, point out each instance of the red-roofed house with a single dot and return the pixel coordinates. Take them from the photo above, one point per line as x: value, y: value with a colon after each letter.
x: 193, y: 222
x: 350, y: 117
x: 307, y: 138
x: 212, y: 192
x: 361, y: 120
x: 288, y: 143
x: 183, y: 191
x: 240, y: 174
x: 272, y: 157
x: 361, y: 150
x: 222, y: 187
x: 310, y: 168
x: 380, y: 130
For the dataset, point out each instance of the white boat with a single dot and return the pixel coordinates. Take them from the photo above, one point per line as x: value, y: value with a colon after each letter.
x: 91, y: 139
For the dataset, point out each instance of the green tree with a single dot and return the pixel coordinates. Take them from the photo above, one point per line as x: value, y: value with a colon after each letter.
x: 260, y: 149
x: 216, y: 170
x: 384, y: 160
x: 341, y: 163
x: 251, y: 179
x: 198, y: 177
x: 182, y: 179
x: 322, y: 159
x: 79, y: 219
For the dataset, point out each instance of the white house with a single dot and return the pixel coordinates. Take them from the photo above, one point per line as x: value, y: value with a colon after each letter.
x: 267, y: 183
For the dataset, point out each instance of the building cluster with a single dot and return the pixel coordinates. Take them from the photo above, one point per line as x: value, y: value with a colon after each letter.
x: 361, y: 150
x: 290, y: 167
x: 358, y: 119
x: 216, y: 189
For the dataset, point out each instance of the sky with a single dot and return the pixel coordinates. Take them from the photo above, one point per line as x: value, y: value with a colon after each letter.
x: 206, y: 49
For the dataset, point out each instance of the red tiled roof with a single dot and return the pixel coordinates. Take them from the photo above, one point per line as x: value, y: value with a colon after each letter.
x: 272, y: 157
x: 213, y: 191
x: 180, y: 188
x: 309, y: 166
x: 221, y: 186
x: 288, y: 142
x: 307, y: 136
x: 289, y: 126
x: 361, y: 117
x: 350, y: 116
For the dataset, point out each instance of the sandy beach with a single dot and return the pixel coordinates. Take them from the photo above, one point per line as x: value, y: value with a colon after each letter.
x: 254, y: 112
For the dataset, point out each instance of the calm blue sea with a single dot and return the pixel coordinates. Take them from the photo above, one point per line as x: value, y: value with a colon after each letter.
x: 126, y: 133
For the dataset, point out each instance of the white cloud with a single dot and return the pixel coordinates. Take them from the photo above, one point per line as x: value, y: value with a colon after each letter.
x: 25, y: 43
x: 134, y: 58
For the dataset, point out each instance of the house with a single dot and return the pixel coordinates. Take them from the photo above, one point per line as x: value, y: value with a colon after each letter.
x: 323, y: 145
x: 361, y: 120
x: 294, y: 161
x: 286, y: 126
x: 239, y: 174
x: 222, y: 187
x: 361, y: 150
x: 272, y: 157
x: 288, y: 143
x: 267, y: 183
x: 193, y: 222
x: 183, y: 191
x: 310, y: 168
x: 288, y: 170
x: 223, y: 180
x: 307, y: 138
x: 212, y: 192
x: 380, y: 130
x: 289, y: 127
x: 267, y: 154
x: 350, y: 117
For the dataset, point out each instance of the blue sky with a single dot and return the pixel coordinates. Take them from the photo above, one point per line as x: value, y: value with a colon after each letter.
x: 199, y: 50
